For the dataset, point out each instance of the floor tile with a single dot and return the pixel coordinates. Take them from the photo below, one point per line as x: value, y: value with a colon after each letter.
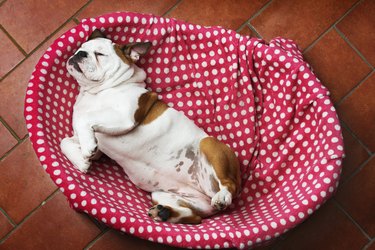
x: 358, y: 26
x: 302, y: 21
x: 23, y: 182
x: 118, y: 241
x: 329, y: 228
x: 98, y: 7
x: 26, y: 21
x: 5, y: 226
x: 355, y: 155
x: 53, y: 226
x: 338, y: 66
x: 13, y: 88
x: 358, y: 112
x: 10, y: 54
x: 358, y: 198
x: 7, y: 141
x: 227, y: 14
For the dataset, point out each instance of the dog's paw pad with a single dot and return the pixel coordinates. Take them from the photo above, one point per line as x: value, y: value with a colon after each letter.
x: 159, y: 213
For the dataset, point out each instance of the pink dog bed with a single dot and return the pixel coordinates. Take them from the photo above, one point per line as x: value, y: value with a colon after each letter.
x: 260, y: 98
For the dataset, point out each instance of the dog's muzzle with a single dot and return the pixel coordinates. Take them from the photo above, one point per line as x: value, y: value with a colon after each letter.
x: 77, y: 58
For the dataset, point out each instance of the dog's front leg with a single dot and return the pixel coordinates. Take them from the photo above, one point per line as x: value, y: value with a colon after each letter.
x: 113, y: 123
x: 107, y: 122
x: 86, y: 136
x: 72, y: 150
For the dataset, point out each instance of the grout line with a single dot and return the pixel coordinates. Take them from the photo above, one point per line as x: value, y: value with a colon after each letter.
x: 79, y: 11
x: 13, y: 40
x: 13, y: 133
x: 172, y: 8
x: 358, y: 169
x: 53, y: 194
x: 367, y: 247
x: 75, y: 19
x: 356, y: 137
x: 260, y: 11
x: 100, y: 225
x: 13, y: 148
x: 354, y: 88
x: 12, y: 222
x: 91, y: 243
x: 54, y: 32
x: 338, y: 205
x: 320, y: 37
x: 2, y: 157
x: 252, y: 28
x: 354, y: 48
x: 249, y: 25
x: 308, y: 47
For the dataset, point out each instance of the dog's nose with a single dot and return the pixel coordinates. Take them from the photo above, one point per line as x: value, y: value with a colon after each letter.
x: 82, y: 54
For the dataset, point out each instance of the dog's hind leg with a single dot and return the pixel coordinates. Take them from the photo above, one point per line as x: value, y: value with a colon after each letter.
x: 226, y: 180
x: 176, y: 208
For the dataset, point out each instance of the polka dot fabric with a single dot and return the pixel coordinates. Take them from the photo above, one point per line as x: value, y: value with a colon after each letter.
x: 261, y: 99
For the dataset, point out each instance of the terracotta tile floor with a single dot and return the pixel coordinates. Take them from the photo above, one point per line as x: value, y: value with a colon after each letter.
x: 337, y: 38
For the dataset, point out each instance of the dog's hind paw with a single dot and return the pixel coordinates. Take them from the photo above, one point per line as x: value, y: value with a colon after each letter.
x: 221, y: 199
x: 159, y: 213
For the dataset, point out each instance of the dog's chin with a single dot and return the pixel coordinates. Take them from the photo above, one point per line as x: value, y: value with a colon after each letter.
x: 74, y: 73
x: 82, y: 80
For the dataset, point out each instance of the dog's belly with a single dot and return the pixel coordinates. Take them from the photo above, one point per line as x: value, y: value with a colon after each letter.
x: 163, y: 155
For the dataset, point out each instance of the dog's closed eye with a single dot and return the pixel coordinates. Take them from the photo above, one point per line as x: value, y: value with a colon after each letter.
x: 98, y: 54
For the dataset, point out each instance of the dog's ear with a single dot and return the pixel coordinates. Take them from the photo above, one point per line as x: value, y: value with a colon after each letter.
x: 96, y: 34
x: 134, y: 51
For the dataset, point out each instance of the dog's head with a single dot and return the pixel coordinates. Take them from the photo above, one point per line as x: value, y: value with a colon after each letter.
x: 99, y: 60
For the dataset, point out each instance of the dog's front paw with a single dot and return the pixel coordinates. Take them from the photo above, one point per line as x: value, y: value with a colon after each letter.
x: 159, y: 213
x: 83, y: 165
x: 221, y: 199
x: 89, y: 150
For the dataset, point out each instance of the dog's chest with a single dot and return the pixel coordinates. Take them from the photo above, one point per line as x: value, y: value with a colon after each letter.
x: 122, y: 99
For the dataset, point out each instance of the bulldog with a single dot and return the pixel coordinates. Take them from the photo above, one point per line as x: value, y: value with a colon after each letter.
x: 190, y: 174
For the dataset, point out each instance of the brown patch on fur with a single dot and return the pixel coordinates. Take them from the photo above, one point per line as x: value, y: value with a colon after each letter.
x: 149, y: 108
x: 174, y: 214
x: 124, y: 51
x: 194, y: 219
x: 96, y: 34
x: 214, y: 184
x: 190, y: 154
x: 120, y: 53
x: 224, y: 162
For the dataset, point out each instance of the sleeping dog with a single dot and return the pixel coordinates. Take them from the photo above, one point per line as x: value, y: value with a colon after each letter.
x: 190, y: 175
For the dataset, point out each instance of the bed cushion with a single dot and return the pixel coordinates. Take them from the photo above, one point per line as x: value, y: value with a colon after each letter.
x: 262, y: 99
